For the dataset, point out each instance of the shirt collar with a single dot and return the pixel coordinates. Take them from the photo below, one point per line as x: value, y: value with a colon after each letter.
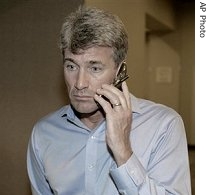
x: 69, y: 113
x: 135, y: 106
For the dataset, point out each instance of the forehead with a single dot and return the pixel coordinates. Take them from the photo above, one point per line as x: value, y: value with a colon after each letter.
x: 93, y: 53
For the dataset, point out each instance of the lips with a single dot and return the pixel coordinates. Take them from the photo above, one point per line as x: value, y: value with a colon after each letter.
x: 82, y: 97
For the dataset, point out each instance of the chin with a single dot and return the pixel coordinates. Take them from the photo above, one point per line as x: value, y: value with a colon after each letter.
x: 85, y: 108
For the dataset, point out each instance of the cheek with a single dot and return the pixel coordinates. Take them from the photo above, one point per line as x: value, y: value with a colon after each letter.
x: 69, y: 81
x: 106, y: 79
x: 96, y: 83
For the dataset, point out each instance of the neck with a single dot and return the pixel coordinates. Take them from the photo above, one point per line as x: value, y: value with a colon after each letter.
x: 91, y: 120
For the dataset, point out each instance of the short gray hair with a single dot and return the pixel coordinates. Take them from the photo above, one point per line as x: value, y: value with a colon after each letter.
x: 88, y: 27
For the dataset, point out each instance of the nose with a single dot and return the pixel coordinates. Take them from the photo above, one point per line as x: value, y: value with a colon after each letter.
x: 82, y: 80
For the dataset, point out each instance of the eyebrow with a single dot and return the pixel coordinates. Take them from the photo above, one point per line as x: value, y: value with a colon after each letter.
x: 69, y: 59
x: 91, y: 62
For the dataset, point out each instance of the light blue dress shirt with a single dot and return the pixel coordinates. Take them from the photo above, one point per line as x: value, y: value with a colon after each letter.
x: 66, y: 158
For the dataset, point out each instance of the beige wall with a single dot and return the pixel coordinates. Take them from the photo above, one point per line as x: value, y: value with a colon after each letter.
x: 162, y: 11
x: 163, y: 72
x: 31, y: 83
x: 182, y: 41
x: 187, y: 86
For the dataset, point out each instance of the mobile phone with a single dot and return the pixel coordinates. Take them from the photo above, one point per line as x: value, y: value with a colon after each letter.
x: 121, y: 76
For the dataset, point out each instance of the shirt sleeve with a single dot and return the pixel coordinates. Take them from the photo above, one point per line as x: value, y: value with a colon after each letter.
x: 167, y: 171
x: 39, y: 184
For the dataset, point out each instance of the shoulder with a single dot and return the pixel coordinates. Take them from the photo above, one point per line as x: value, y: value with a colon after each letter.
x: 52, y: 119
x: 155, y: 117
x: 156, y: 122
x: 150, y: 108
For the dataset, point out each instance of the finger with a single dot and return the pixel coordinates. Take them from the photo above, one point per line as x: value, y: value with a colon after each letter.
x: 126, y: 93
x: 109, y: 95
x: 104, y: 104
x: 114, y: 95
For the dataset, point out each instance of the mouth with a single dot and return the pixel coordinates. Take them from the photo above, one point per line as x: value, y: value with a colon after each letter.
x: 82, y: 97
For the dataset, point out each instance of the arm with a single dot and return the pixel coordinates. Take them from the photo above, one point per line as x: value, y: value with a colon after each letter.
x: 168, y: 169
x: 119, y: 119
x: 39, y: 184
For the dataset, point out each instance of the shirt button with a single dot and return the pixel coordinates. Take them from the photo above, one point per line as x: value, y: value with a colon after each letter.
x: 93, y: 137
x: 90, y: 167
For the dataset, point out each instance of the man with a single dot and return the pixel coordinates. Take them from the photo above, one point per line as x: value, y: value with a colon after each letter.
x: 106, y: 142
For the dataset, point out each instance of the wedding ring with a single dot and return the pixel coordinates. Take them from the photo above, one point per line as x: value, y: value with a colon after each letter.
x: 117, y: 104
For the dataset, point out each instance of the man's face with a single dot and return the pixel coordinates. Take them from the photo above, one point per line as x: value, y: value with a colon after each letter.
x: 85, y: 72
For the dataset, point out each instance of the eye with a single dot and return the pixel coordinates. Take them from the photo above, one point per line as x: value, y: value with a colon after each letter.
x: 96, y: 69
x: 70, y: 67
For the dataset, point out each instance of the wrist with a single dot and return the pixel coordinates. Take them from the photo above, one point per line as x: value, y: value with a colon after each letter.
x: 122, y: 157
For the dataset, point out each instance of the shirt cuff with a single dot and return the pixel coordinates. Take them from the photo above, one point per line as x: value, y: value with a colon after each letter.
x: 132, y: 169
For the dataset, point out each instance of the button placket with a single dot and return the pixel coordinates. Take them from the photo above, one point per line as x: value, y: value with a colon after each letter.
x: 91, y: 158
